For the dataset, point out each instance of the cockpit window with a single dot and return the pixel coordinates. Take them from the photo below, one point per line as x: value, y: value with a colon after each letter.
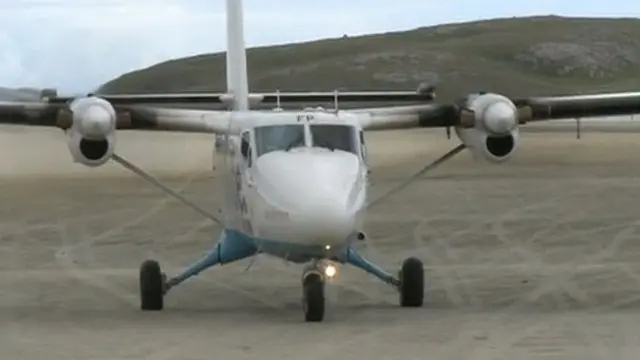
x: 278, y: 137
x: 334, y: 137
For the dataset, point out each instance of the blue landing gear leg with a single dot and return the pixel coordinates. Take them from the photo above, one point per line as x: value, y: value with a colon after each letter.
x: 410, y: 280
x: 154, y: 284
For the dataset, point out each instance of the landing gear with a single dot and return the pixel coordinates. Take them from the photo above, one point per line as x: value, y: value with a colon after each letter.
x: 313, y: 297
x: 409, y: 283
x: 152, y: 286
x: 411, y: 287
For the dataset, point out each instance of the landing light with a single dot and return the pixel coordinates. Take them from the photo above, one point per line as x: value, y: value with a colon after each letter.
x: 330, y: 271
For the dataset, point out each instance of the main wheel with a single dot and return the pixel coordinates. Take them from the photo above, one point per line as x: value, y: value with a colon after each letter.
x: 411, y: 283
x: 151, y: 286
x: 313, y: 298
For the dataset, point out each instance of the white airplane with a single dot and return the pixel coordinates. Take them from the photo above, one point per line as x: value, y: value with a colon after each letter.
x: 295, y: 181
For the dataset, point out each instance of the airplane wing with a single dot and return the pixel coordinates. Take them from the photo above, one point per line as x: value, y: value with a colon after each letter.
x: 486, y: 123
x: 127, y: 117
x: 476, y: 109
x: 261, y: 101
x: 195, y: 112
x: 206, y: 112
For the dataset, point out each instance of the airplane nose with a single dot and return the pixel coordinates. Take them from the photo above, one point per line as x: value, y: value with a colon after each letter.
x: 328, y: 202
x: 317, y: 191
x: 331, y: 208
x: 330, y: 218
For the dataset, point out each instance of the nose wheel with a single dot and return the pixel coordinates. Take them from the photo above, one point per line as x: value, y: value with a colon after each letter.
x: 411, y: 287
x: 313, y: 297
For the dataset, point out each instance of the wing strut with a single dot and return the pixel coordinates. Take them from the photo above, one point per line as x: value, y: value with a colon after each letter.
x: 136, y: 170
x: 450, y: 154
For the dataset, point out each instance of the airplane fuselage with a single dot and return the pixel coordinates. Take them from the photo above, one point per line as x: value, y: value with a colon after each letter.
x: 296, y: 185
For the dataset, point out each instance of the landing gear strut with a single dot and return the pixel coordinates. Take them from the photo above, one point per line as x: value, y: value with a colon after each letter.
x: 154, y: 284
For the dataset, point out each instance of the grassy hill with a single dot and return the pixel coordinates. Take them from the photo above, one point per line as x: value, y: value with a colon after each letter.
x: 516, y: 56
x: 24, y: 94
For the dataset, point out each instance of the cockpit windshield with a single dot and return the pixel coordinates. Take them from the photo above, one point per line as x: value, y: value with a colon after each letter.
x: 334, y: 137
x: 278, y: 137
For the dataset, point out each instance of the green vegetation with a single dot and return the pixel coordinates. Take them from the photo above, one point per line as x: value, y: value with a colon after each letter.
x: 24, y: 94
x: 517, y: 56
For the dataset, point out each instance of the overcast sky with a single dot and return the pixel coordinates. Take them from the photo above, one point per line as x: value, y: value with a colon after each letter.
x: 75, y: 45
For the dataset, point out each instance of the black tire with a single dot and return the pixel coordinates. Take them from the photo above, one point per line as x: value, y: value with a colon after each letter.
x: 151, y: 286
x: 313, y: 298
x: 411, y: 283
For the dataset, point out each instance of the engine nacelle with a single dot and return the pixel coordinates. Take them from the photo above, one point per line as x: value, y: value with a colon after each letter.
x: 489, y: 126
x: 492, y: 148
x: 90, y: 152
x: 92, y: 131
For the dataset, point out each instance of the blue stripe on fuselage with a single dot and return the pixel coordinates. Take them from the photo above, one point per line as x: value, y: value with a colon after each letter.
x: 291, y: 252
